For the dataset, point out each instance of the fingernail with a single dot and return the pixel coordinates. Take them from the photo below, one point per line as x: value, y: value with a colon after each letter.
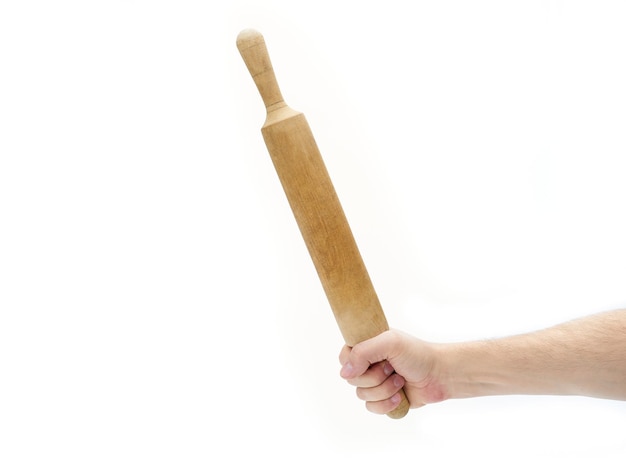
x: 395, y: 399
x: 388, y: 369
x: 398, y: 381
x: 347, y: 370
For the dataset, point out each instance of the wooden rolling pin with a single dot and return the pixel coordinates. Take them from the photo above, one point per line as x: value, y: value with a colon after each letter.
x: 316, y: 207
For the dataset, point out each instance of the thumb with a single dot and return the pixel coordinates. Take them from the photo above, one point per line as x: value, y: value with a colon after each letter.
x: 366, y: 353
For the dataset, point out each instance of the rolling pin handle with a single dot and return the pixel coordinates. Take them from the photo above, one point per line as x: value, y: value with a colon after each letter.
x: 251, y: 45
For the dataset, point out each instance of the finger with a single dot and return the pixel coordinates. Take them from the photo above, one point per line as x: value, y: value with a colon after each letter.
x: 384, y: 391
x: 366, y: 353
x: 373, y: 376
x: 383, y: 407
x: 344, y: 355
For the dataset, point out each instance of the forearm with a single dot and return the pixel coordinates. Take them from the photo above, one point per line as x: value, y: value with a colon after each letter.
x: 581, y: 357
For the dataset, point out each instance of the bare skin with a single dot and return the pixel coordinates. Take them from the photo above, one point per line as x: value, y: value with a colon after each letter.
x: 585, y: 357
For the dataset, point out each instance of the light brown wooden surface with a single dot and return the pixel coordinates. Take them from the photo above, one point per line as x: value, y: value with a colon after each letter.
x: 316, y: 207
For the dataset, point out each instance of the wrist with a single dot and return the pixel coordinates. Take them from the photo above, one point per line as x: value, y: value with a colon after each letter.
x: 478, y: 368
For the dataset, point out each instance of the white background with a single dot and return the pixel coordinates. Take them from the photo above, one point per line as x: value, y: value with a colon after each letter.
x: 158, y: 309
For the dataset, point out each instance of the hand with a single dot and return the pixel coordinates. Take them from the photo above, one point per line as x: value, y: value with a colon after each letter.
x: 381, y: 366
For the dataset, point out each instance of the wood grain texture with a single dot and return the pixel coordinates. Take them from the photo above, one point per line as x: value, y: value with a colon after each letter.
x: 316, y: 207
